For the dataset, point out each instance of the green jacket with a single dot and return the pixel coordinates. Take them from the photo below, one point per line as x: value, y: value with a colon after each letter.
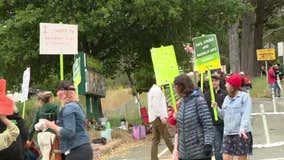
x: 46, y: 111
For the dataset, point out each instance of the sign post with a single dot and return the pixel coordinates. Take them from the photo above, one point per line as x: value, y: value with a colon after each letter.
x: 265, y: 55
x: 165, y: 68
x: 25, y: 89
x: 207, y: 58
x: 280, y: 49
x: 58, y: 39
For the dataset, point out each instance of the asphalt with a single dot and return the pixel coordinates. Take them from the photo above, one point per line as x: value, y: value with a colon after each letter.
x: 262, y: 151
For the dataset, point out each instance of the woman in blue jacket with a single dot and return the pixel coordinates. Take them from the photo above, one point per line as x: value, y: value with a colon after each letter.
x: 74, y: 142
x: 236, y: 111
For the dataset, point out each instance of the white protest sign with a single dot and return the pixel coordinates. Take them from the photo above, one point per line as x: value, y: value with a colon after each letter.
x: 58, y: 39
x: 25, y: 84
x: 280, y: 48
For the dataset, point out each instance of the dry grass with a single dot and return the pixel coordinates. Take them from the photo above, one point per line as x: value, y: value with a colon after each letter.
x: 116, y: 98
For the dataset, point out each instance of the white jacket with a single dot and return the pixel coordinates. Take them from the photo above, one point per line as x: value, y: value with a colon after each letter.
x: 157, y: 106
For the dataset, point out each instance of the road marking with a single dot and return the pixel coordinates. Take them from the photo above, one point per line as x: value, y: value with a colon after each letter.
x: 276, y: 144
x: 264, y: 121
x: 163, y: 152
x: 280, y: 158
x: 268, y: 113
x: 273, y: 100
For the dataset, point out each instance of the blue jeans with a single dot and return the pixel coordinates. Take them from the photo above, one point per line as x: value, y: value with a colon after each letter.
x: 277, y: 89
x: 218, y: 142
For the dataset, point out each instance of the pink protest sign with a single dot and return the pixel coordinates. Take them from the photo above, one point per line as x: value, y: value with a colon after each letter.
x: 58, y: 38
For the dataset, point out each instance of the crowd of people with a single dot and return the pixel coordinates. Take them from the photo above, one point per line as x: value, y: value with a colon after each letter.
x: 199, y: 136
x: 61, y: 132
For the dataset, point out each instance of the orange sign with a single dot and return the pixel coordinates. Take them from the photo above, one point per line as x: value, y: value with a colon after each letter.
x: 266, y: 54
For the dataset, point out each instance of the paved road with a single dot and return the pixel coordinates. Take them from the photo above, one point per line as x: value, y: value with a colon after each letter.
x: 275, y: 130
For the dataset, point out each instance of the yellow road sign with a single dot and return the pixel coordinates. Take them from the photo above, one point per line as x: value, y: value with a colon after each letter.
x: 266, y: 54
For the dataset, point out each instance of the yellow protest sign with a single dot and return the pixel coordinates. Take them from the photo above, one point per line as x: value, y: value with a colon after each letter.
x: 266, y: 54
x: 165, y: 64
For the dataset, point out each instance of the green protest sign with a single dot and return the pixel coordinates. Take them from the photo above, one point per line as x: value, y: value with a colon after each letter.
x: 165, y: 64
x: 206, y: 53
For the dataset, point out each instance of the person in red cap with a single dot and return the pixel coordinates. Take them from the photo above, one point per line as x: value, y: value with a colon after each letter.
x: 235, y: 112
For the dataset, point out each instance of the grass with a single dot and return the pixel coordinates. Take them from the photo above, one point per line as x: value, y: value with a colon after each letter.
x: 120, y: 103
x: 260, y: 88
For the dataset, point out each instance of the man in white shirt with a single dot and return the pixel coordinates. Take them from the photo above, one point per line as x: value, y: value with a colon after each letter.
x: 157, y: 110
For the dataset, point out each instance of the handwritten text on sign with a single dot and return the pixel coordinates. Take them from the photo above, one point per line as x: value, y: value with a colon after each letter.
x: 58, y: 38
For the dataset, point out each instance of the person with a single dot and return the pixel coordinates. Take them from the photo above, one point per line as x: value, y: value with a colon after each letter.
x: 172, y: 120
x: 157, y: 111
x: 195, y: 127
x: 235, y: 112
x: 278, y: 74
x: 48, y: 110
x: 262, y: 71
x: 16, y: 149
x: 246, y: 85
x: 220, y: 95
x: 272, y: 78
x: 73, y: 138
x: 222, y: 77
x: 11, y: 133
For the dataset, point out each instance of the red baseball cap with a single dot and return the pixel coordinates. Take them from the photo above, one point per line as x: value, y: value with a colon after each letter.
x: 6, y: 104
x: 235, y: 80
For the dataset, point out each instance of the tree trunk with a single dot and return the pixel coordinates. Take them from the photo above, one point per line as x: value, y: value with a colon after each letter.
x: 258, y: 42
x: 234, y: 50
x: 133, y: 88
x: 248, y: 53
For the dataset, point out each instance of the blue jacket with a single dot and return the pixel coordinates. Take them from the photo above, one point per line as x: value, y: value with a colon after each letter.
x: 236, y: 114
x: 195, y: 127
x: 72, y: 132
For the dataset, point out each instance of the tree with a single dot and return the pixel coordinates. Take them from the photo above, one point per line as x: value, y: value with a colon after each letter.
x: 253, y: 23
x: 111, y: 31
x: 234, y: 47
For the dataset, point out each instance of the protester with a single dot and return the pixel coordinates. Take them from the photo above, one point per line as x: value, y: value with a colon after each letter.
x: 173, y: 121
x: 262, y: 71
x: 279, y: 75
x: 11, y: 133
x: 157, y: 110
x: 73, y: 137
x: 272, y: 79
x: 235, y: 112
x: 195, y: 128
x: 16, y: 149
x: 49, y: 111
x: 246, y: 85
x: 222, y: 79
x: 220, y: 95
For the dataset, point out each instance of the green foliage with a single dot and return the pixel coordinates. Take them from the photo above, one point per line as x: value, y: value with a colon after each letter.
x: 119, y: 33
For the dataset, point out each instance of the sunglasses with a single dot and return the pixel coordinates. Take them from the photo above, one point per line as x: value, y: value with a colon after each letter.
x: 66, y: 89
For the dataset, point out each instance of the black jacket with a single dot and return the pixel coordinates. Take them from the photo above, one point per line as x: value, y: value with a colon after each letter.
x: 219, y: 97
x: 16, y: 150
